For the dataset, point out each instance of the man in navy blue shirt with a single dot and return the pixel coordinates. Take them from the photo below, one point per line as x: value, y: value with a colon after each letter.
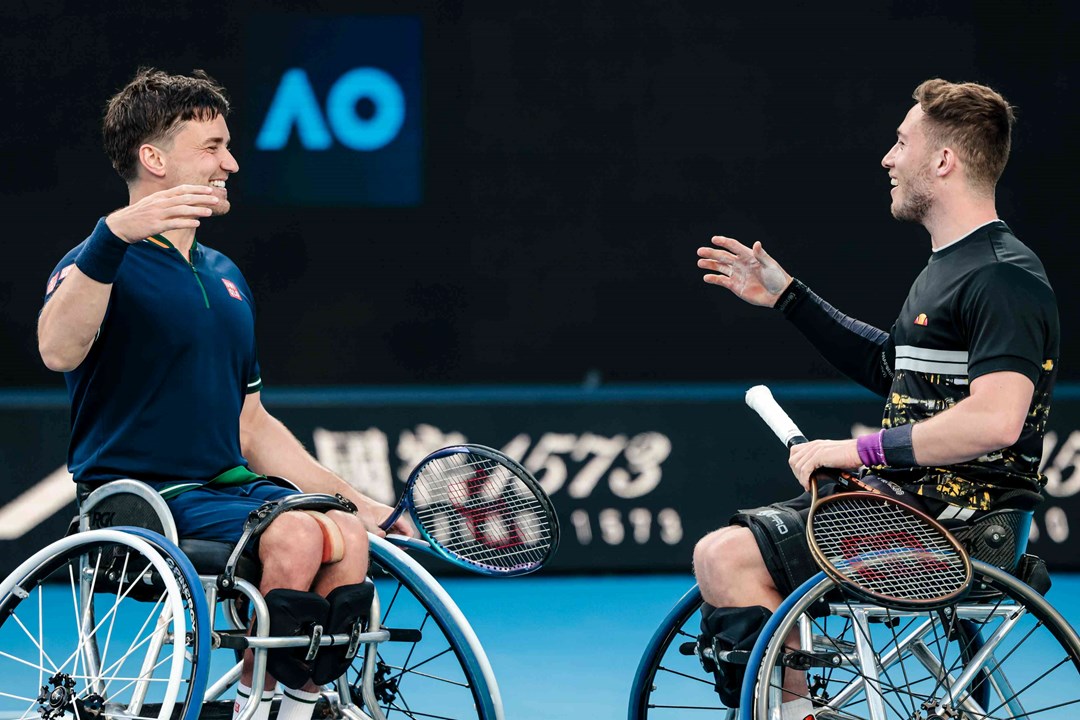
x: 154, y: 333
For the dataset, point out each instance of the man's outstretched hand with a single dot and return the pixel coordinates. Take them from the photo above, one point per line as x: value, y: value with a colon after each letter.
x: 750, y: 273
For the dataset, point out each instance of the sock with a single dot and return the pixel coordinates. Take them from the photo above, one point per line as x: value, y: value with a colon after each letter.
x: 243, y: 694
x: 799, y: 709
x: 297, y: 705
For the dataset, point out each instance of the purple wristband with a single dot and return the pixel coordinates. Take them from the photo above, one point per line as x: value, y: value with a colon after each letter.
x: 870, y: 450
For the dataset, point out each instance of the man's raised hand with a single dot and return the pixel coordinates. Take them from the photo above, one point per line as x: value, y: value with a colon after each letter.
x: 172, y: 209
x: 749, y: 273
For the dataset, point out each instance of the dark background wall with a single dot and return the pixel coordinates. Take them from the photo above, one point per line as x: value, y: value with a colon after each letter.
x: 574, y: 156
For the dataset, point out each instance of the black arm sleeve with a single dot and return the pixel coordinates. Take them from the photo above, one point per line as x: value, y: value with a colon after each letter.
x: 860, y: 351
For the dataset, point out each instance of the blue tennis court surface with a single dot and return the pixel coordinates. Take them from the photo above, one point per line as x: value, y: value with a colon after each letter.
x: 567, y: 647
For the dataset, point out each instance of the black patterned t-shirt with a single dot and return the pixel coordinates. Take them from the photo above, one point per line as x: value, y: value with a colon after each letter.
x: 981, y: 305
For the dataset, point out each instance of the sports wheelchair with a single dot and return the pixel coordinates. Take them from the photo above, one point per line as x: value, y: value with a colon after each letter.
x: 119, y: 620
x: 1001, y: 652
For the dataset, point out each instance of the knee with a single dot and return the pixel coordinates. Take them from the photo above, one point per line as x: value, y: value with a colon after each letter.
x: 725, y: 553
x: 292, y: 540
x: 352, y: 528
x: 354, y: 532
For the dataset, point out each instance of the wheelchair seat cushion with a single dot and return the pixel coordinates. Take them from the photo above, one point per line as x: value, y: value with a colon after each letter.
x: 209, y: 558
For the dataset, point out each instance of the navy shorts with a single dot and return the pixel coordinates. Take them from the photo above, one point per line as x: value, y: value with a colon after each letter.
x: 218, y: 512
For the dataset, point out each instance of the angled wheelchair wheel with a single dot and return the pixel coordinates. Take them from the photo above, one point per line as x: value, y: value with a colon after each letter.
x: 670, y: 681
x: 1006, y: 654
x: 103, y: 624
x: 439, y: 672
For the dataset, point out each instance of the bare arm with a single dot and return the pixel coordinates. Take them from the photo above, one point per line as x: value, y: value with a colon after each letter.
x: 272, y: 450
x: 989, y: 419
x: 70, y: 320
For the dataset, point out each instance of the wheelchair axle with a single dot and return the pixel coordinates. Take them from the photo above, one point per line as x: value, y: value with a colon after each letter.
x: 62, y: 697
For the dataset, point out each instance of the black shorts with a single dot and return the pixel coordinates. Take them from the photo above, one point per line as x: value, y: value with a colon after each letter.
x: 780, y: 529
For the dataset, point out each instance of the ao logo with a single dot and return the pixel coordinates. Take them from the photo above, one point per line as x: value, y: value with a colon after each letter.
x: 295, y: 105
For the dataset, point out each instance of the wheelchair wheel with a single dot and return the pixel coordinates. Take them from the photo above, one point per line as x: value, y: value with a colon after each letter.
x: 1006, y: 655
x: 670, y: 682
x: 103, y: 624
x: 445, y: 674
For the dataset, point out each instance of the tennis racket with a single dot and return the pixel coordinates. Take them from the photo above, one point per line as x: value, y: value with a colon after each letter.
x: 480, y: 510
x: 882, y: 550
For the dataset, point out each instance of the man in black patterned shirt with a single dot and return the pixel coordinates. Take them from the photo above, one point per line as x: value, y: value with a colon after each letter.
x: 967, y: 369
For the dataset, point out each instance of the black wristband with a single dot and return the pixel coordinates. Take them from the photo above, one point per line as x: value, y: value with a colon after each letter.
x: 102, y: 254
x: 896, y: 443
x: 794, y: 291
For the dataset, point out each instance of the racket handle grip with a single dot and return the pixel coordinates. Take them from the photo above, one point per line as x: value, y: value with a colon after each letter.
x: 761, y: 400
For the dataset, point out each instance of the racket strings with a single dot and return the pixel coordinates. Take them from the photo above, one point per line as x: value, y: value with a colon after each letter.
x: 883, y: 548
x: 483, y: 512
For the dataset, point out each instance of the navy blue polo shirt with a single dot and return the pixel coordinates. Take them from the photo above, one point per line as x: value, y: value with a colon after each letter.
x: 159, y: 395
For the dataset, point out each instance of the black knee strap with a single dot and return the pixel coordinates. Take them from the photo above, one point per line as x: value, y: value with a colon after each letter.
x: 781, y: 534
x: 350, y: 608
x: 294, y: 613
x: 728, y: 633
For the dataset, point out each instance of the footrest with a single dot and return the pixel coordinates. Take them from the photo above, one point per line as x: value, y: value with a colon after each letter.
x: 406, y: 636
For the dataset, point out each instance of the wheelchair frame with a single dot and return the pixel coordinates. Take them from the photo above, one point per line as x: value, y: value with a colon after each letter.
x: 196, y: 597
x: 670, y: 681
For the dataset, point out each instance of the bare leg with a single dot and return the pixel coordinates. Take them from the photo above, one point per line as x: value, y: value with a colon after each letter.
x: 731, y: 573
x: 290, y: 551
x: 351, y: 569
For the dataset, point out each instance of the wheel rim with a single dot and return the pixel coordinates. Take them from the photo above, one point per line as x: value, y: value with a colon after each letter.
x: 115, y: 656
x: 432, y: 678
x: 1010, y: 658
x: 669, y: 683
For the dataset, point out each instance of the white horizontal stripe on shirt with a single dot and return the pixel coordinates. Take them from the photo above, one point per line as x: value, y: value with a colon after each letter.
x: 911, y: 351
x: 937, y: 368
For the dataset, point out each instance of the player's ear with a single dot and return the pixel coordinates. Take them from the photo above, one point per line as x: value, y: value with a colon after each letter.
x: 152, y: 159
x: 946, y: 162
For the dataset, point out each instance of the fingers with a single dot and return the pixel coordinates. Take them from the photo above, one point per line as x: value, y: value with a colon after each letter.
x: 721, y: 280
x: 731, y: 245
x: 795, y: 461
x: 761, y: 256
x: 722, y: 258
x: 717, y: 265
x: 192, y: 199
x: 190, y: 210
x: 803, y: 461
x: 186, y: 190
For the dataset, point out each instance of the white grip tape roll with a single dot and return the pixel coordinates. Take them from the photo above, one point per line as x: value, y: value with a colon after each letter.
x: 761, y: 400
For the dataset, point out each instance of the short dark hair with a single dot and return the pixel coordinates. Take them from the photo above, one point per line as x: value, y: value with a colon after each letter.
x: 153, y: 106
x: 975, y: 120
